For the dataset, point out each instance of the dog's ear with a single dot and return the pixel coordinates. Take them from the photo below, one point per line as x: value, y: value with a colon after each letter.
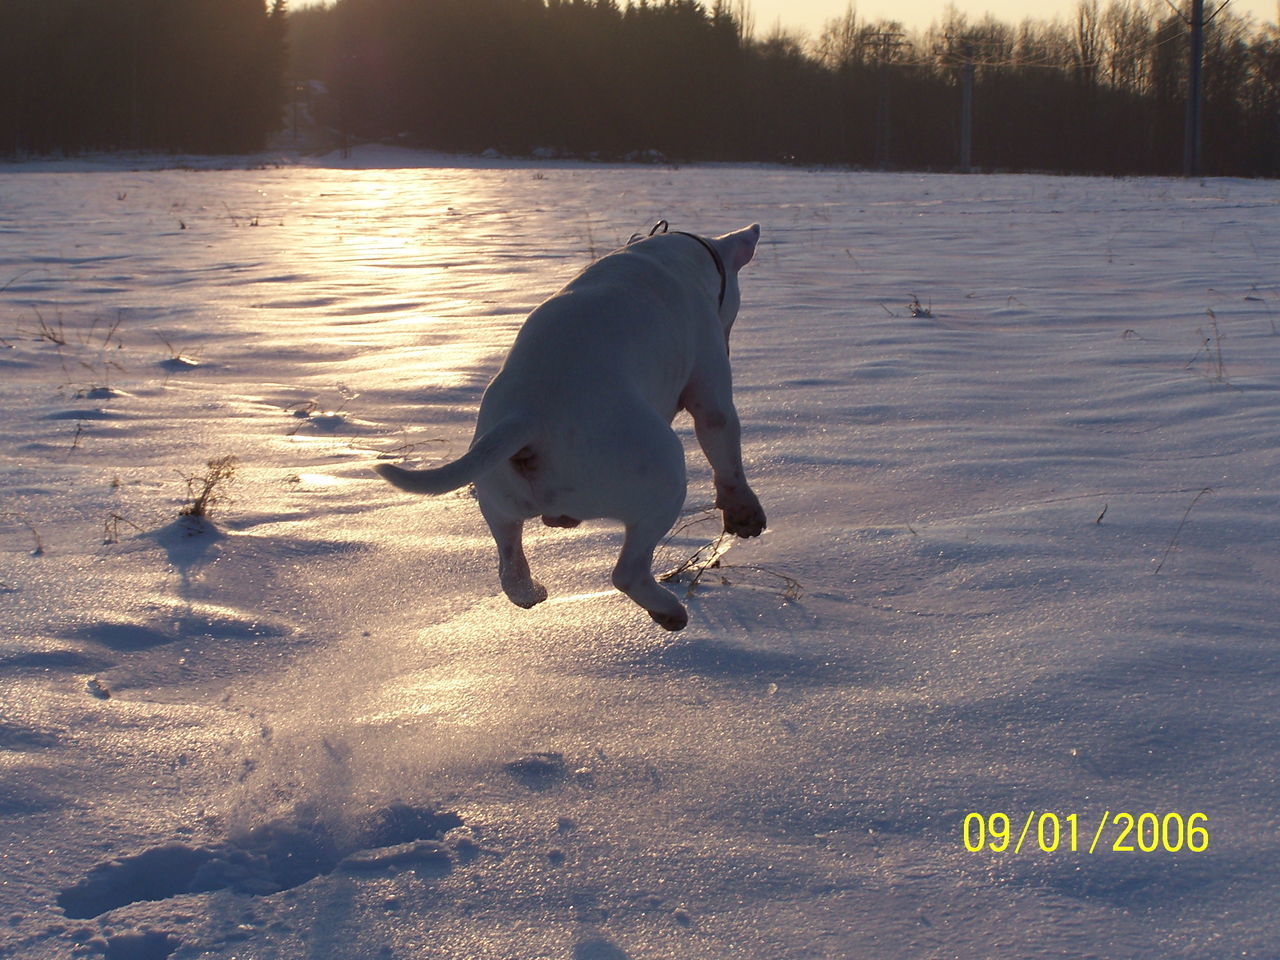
x: 740, y: 246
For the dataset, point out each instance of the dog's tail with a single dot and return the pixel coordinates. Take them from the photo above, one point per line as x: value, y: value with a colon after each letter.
x: 490, y: 448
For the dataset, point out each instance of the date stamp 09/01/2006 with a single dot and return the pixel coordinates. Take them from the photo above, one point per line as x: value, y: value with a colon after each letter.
x: 1048, y: 832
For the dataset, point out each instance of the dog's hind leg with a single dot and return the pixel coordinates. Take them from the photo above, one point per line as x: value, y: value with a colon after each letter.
x: 633, y: 574
x: 513, y: 567
x: 647, y: 478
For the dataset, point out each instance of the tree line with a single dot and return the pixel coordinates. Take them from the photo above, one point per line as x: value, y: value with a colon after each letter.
x: 1102, y: 92
x: 199, y: 76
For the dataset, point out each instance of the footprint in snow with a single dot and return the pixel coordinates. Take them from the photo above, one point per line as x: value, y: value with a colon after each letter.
x: 270, y: 858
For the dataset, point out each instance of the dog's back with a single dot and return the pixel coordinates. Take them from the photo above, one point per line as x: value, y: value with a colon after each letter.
x: 621, y: 330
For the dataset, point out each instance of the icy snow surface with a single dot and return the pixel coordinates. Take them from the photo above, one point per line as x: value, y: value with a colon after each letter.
x: 1022, y: 559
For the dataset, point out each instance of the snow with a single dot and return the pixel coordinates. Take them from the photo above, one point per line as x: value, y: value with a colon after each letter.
x: 1021, y: 558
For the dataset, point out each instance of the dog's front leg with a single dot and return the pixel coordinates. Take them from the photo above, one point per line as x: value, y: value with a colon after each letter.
x: 715, y: 422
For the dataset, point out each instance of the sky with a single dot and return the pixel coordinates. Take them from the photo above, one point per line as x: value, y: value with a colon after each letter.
x: 810, y: 15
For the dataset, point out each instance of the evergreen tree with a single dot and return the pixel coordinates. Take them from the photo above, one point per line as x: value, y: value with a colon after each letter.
x: 177, y: 75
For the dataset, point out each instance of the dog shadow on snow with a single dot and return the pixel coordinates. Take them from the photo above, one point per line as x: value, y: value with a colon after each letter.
x: 749, y: 644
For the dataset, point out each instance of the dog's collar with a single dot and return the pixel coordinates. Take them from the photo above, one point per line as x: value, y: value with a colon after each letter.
x: 662, y: 227
x: 715, y: 255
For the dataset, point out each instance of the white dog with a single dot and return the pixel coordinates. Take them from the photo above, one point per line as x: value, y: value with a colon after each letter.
x: 577, y: 423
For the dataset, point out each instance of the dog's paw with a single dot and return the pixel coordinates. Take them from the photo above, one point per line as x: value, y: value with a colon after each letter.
x: 743, y: 515
x: 744, y: 524
x: 671, y: 621
x: 527, y: 594
x: 744, y: 518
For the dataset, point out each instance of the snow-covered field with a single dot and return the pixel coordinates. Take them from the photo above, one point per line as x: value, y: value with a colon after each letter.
x: 1022, y: 560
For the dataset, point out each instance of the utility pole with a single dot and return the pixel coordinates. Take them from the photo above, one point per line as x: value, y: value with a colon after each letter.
x: 1191, y: 157
x: 885, y: 43
x: 966, y: 95
x: 1191, y: 141
x: 969, y: 48
x: 966, y: 112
